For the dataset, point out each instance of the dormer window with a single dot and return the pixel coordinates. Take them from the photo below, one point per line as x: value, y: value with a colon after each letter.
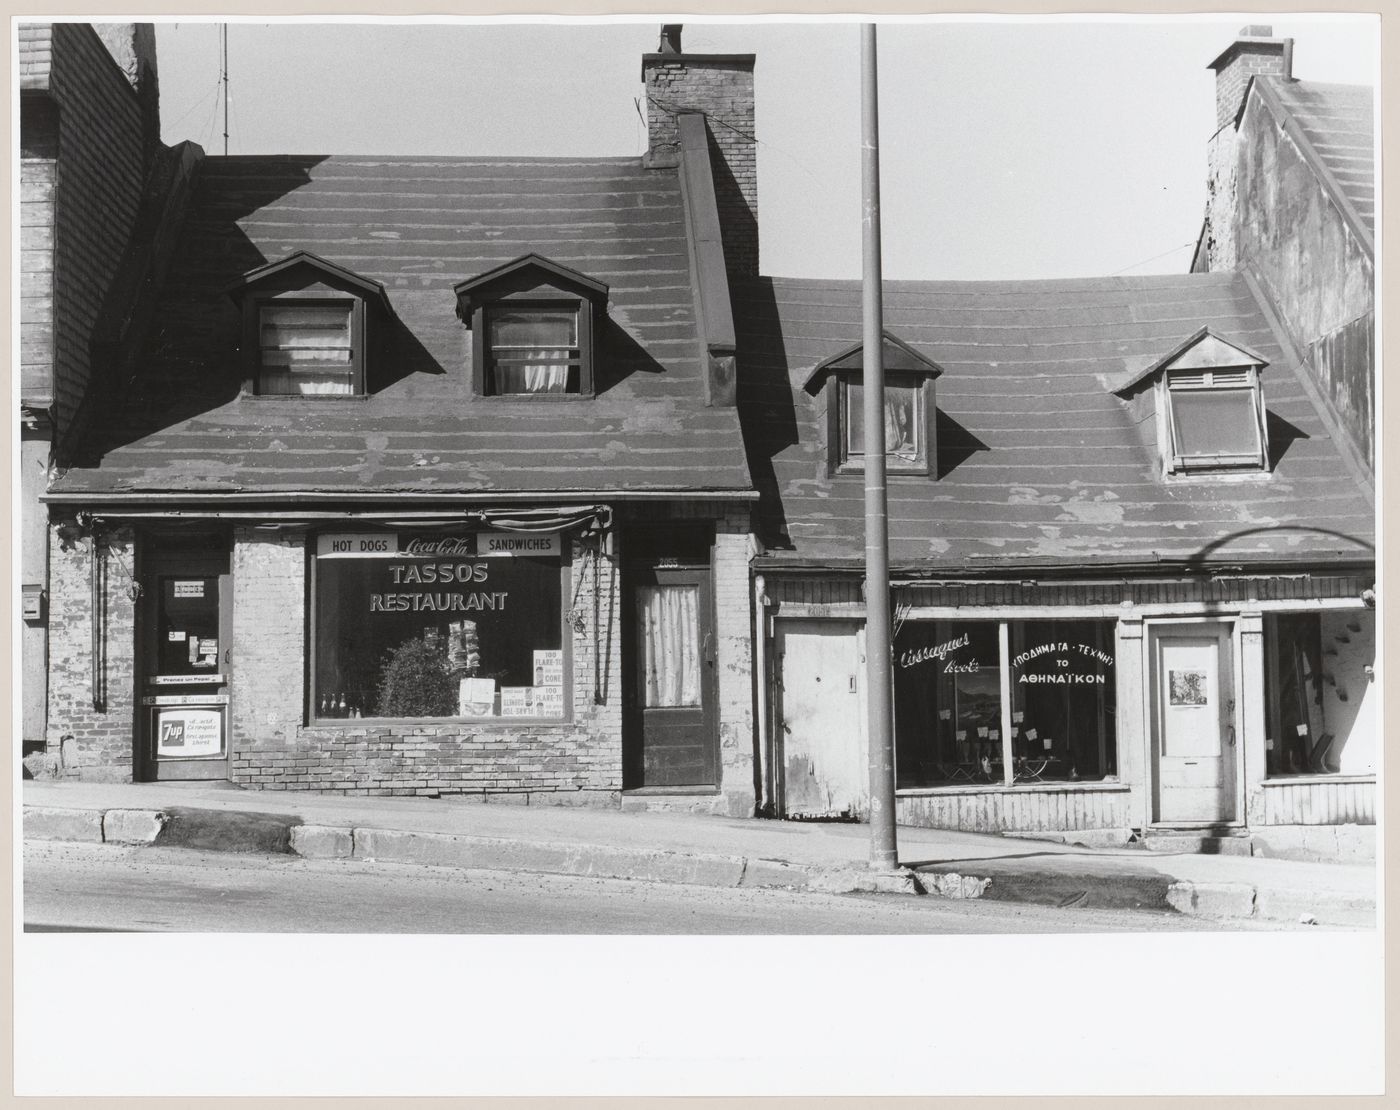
x: 306, y: 324
x: 1205, y: 401
x: 533, y: 350
x: 909, y: 408
x: 1216, y: 419
x: 307, y: 347
x: 532, y: 326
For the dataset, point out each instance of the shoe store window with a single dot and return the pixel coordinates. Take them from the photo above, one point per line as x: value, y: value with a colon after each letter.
x: 1004, y: 702
x: 438, y: 626
x: 1318, y: 679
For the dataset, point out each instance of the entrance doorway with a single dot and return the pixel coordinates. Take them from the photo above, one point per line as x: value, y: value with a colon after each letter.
x: 821, y: 756
x: 1193, y: 725
x: 186, y: 659
x: 670, y: 739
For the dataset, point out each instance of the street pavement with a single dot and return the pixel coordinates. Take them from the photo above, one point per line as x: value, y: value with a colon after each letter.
x: 696, y: 850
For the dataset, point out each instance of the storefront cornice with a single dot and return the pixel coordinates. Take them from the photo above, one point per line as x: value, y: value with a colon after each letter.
x: 1084, y: 573
x: 257, y: 506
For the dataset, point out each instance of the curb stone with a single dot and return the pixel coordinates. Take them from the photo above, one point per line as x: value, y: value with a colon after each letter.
x: 46, y: 823
x: 132, y: 826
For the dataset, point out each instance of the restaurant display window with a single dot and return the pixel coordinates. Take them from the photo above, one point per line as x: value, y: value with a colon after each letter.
x: 1003, y: 702
x: 438, y: 626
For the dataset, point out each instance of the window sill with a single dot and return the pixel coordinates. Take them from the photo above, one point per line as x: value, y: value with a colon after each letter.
x: 314, y: 398
x: 1312, y: 777
x: 907, y: 471
x: 533, y: 398
x: 1017, y: 788
x: 341, y: 724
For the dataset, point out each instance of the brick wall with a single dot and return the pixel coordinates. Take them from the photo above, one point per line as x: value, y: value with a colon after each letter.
x: 574, y: 761
x: 734, y: 662
x: 83, y: 741
x: 101, y: 169
x: 1231, y: 79
x: 720, y: 87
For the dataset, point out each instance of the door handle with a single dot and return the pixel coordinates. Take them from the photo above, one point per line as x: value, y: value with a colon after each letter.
x: 228, y: 655
x: 707, y: 648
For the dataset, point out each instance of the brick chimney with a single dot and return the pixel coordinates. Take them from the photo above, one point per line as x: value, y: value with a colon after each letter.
x: 1254, y: 52
x: 719, y: 87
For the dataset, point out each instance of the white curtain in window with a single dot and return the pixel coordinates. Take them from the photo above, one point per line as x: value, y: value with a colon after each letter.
x: 536, y: 376
x: 669, y: 617
x: 306, y: 349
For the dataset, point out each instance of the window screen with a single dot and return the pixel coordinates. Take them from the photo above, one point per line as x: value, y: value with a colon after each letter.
x: 904, y: 432
x: 1212, y: 423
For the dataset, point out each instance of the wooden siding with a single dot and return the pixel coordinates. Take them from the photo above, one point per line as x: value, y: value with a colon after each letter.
x: 1065, y: 809
x: 794, y: 589
x: 1319, y: 802
x: 1039, y: 461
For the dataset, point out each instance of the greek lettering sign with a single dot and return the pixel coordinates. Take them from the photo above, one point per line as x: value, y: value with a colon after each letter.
x: 1062, y: 663
x: 185, y: 733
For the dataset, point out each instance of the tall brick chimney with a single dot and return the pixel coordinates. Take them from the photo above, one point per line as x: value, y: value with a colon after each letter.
x: 1254, y: 52
x: 719, y: 87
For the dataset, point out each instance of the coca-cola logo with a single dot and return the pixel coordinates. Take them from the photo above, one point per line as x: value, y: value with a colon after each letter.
x: 443, y: 545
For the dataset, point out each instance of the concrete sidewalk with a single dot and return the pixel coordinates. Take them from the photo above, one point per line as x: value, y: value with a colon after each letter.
x: 703, y: 850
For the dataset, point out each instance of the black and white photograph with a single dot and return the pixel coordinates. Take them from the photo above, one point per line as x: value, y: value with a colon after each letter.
x: 567, y: 504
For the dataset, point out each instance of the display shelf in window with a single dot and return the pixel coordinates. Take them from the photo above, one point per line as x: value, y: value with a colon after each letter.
x: 909, y: 404
x: 533, y: 323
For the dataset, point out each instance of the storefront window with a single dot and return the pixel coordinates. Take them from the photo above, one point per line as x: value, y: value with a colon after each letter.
x: 437, y: 626
x: 950, y: 723
x: 1320, y: 708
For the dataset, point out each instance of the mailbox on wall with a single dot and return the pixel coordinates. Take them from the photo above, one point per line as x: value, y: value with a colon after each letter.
x: 33, y: 597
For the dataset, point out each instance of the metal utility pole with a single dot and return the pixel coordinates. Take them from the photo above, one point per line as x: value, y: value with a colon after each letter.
x: 884, y: 853
x: 223, y: 34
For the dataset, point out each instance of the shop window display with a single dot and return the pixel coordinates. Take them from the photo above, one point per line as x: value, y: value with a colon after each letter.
x: 437, y: 627
x: 953, y: 727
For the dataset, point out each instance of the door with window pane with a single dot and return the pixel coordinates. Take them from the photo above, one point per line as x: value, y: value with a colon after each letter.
x: 671, y: 739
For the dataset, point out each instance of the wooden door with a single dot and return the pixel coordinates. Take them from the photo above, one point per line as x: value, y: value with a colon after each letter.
x: 186, y: 655
x: 671, y: 740
x: 821, y: 713
x: 1193, y: 707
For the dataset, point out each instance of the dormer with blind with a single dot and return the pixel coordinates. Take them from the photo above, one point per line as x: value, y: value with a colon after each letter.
x: 1203, y: 405
x: 308, y: 325
x: 532, y: 325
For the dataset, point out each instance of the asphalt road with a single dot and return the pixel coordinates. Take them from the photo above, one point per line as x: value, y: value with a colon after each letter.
x: 92, y: 887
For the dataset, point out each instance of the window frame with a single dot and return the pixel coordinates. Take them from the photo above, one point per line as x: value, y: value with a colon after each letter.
x: 483, y: 362
x: 252, y: 340
x: 1184, y: 382
x: 842, y: 461
x: 310, y: 717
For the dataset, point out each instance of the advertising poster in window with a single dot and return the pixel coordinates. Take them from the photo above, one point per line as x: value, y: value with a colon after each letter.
x: 182, y: 733
x: 417, y: 625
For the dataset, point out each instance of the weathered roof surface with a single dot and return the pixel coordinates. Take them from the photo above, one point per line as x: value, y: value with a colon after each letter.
x: 1039, y: 461
x: 35, y: 55
x: 420, y: 226
x: 1338, y: 121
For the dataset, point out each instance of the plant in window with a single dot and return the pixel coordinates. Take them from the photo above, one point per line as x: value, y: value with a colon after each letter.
x: 415, y: 681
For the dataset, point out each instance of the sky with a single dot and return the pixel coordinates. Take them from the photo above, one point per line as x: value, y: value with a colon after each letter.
x: 1009, y: 149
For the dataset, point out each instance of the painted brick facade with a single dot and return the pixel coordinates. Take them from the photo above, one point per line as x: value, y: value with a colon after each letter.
x: 721, y: 88
x: 84, y: 741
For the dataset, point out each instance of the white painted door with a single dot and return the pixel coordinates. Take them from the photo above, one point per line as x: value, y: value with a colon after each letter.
x: 1194, y: 724
x: 821, y: 711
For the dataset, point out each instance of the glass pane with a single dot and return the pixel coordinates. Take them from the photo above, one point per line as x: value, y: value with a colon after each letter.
x: 534, y: 328
x: 670, y: 638
x: 305, y: 349
x: 1295, y: 689
x: 402, y: 635
x: 187, y: 626
x: 947, y: 692
x: 539, y: 375
x: 903, y: 434
x: 1215, y: 422
x: 1062, y: 700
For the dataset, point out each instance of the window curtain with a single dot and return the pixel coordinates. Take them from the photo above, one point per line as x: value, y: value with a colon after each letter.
x: 306, y: 350
x: 538, y: 375
x: 669, y: 618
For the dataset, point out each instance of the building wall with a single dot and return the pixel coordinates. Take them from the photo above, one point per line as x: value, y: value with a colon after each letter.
x: 102, y: 156
x: 87, y: 741
x: 1313, y: 267
x: 34, y: 557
